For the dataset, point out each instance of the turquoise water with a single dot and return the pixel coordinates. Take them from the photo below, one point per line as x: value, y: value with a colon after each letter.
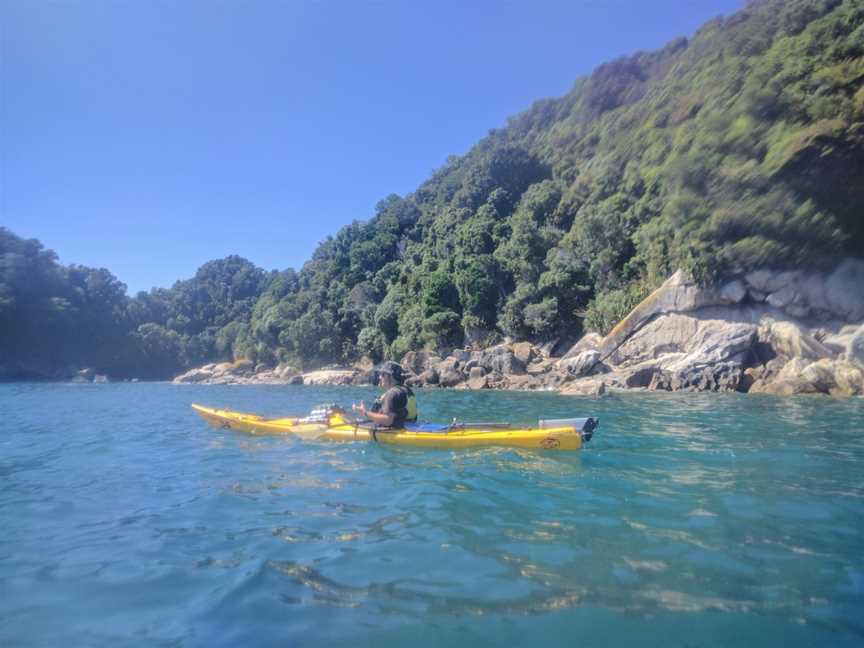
x: 690, y: 520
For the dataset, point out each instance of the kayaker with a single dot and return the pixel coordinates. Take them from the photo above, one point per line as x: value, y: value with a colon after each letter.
x: 397, y: 405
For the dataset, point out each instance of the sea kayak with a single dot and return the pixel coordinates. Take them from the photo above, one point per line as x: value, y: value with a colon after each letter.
x: 330, y: 423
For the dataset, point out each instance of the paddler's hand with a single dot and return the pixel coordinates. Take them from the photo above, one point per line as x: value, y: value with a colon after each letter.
x: 360, y: 408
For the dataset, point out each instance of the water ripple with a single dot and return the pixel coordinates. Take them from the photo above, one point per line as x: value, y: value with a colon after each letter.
x: 126, y: 520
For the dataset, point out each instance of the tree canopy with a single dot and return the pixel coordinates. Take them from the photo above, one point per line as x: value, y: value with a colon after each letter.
x: 742, y: 147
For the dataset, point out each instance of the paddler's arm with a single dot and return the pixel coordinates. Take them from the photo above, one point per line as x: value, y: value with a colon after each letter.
x: 376, y: 417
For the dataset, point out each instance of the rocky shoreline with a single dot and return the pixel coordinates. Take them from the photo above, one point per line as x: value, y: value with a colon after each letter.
x: 768, y: 332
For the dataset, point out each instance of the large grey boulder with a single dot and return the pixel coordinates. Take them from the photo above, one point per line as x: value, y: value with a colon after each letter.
x: 522, y: 382
x: 786, y: 382
x: 756, y: 295
x: 848, y: 379
x: 820, y: 375
x: 476, y: 372
x: 684, y: 336
x: 462, y: 355
x: 678, y: 294
x: 541, y: 366
x: 335, y: 376
x: 222, y: 369
x: 429, y: 377
x: 500, y: 359
x: 418, y: 361
x: 524, y: 352
x: 202, y: 374
x: 789, y: 340
x: 588, y: 342
x: 838, y: 341
x: 769, y: 281
x: 242, y: 367
x: 792, y: 370
x: 723, y: 376
x: 478, y: 382
x: 706, y: 349
x: 448, y: 372
x: 285, y: 372
x: 367, y: 377
x: 855, y: 348
x: 813, y: 295
x: 793, y: 300
x: 582, y: 364
x: 844, y: 290
x: 637, y: 376
x: 547, y: 349
x: 824, y: 376
x: 585, y: 387
x: 679, y: 341
x: 784, y: 297
x: 733, y: 292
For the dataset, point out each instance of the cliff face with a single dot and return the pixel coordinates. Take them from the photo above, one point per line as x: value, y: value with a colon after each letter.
x: 766, y: 332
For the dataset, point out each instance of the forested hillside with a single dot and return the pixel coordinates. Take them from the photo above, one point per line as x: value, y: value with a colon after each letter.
x: 742, y: 147
x: 55, y: 318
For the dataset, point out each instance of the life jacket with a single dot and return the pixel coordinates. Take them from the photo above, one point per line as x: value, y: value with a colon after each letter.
x: 404, y: 413
x: 411, y: 407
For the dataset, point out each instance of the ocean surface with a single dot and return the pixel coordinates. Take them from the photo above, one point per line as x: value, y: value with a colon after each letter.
x: 689, y: 520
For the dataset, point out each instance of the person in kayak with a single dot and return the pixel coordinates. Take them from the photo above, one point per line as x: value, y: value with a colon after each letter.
x: 397, y: 405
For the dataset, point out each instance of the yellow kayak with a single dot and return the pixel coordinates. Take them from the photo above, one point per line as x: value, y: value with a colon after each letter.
x: 330, y: 423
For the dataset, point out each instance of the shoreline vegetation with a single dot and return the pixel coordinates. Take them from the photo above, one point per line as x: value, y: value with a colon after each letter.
x: 775, y: 333
x: 683, y: 219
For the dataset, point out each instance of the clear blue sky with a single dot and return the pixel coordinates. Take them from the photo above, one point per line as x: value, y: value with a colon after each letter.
x: 151, y: 136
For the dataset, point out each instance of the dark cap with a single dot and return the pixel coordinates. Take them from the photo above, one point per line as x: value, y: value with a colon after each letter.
x: 392, y: 368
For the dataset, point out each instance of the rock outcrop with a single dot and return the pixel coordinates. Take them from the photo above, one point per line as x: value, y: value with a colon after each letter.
x: 518, y: 365
x: 243, y: 373
x: 678, y: 294
x: 767, y: 332
x: 787, y: 332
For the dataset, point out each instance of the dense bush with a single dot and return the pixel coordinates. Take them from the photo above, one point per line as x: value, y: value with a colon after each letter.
x: 739, y: 148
